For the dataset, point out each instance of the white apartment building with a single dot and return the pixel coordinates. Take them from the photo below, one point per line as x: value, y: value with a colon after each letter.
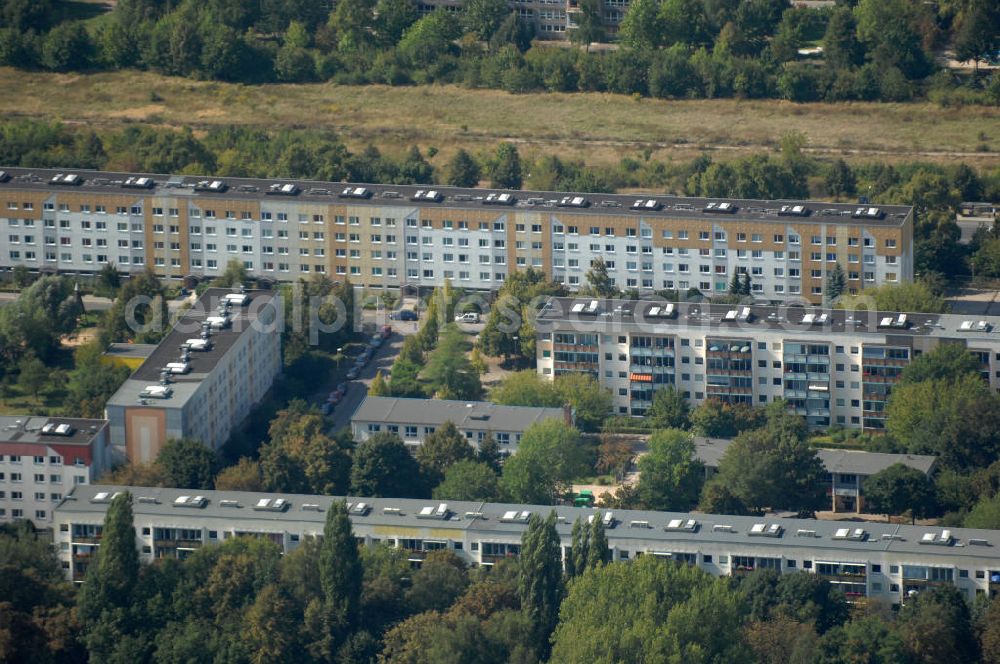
x: 832, y: 366
x: 383, y: 236
x: 43, y: 458
x: 217, y: 362
x: 878, y: 561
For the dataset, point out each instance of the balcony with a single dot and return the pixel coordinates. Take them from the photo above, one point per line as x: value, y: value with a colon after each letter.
x: 96, y: 539
x: 177, y: 543
x: 492, y: 559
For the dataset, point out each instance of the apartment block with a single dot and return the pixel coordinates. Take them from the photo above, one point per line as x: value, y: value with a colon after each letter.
x: 43, y: 458
x: 832, y: 366
x: 394, y: 235
x: 878, y: 561
x: 415, y: 419
x: 214, y: 365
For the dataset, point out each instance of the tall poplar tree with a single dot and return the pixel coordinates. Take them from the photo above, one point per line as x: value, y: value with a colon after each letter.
x: 540, y: 584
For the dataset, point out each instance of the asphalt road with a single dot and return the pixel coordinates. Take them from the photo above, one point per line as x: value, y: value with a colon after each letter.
x: 382, y: 360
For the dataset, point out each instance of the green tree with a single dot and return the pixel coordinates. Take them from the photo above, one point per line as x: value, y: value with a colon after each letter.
x: 106, y: 597
x: 270, y: 628
x: 670, y: 476
x: 187, y: 464
x: 913, y: 296
x: 505, y: 171
x: 352, y: 22
x: 641, y: 27
x: 449, y: 369
x: 936, y: 626
x: 694, y: 619
x: 540, y: 578
x: 549, y: 456
x: 379, y: 387
x: 598, y: 552
x: 669, y: 410
x: 589, y: 21
x: 887, y: 28
x: 984, y: 514
x: 109, y: 280
x: 32, y: 375
x: 954, y: 419
x: 392, y: 18
x: 836, y: 283
x: 947, y: 361
x: 841, y: 48
x: 429, y: 38
x: 599, y: 282
x: 590, y: 402
x: 143, y: 297
x: 489, y: 452
x: 441, y: 579
x: 245, y: 475
x: 469, y: 480
x: 978, y: 33
x: 463, y: 171
x: 840, y: 180
x: 442, y: 449
x: 773, y: 467
x: 340, y: 579
x: 897, y: 489
x: 300, y: 457
x: 67, y: 46
x: 864, y: 639
x: 483, y: 17
x: 384, y: 467
x: 684, y: 22
x: 579, y: 552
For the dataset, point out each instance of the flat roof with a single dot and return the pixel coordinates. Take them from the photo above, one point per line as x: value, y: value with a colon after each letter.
x: 33, y: 430
x: 852, y: 462
x: 132, y: 351
x: 669, y: 207
x: 488, y: 520
x: 201, y: 362
x: 463, y: 414
x: 645, y: 316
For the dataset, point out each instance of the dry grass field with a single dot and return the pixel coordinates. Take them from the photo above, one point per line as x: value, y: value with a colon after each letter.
x: 599, y: 128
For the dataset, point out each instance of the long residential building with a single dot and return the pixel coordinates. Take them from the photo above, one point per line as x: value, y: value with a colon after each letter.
x: 43, y: 458
x: 415, y: 419
x: 832, y: 366
x: 201, y: 381
x: 384, y: 236
x: 878, y: 561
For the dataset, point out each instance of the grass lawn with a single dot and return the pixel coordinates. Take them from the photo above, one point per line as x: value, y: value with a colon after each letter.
x: 600, y: 128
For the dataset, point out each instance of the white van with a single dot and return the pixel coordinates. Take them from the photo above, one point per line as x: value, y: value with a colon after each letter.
x: 471, y: 317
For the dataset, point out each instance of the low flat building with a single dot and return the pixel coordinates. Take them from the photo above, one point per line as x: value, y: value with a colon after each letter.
x: 415, y: 419
x: 878, y: 561
x: 832, y: 366
x: 846, y: 470
x: 217, y: 362
x: 43, y: 458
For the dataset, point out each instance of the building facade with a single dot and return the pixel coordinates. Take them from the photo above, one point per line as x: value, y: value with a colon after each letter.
x: 846, y: 470
x: 415, y: 419
x: 871, y: 561
x: 43, y: 458
x: 384, y: 236
x: 834, y: 367
x: 214, y: 365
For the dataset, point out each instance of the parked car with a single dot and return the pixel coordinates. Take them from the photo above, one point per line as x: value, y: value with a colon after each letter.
x: 327, y: 408
x: 342, y: 388
x: 353, y: 373
x: 470, y: 317
x: 405, y: 314
x: 385, y: 332
x: 334, y: 399
x: 376, y: 341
